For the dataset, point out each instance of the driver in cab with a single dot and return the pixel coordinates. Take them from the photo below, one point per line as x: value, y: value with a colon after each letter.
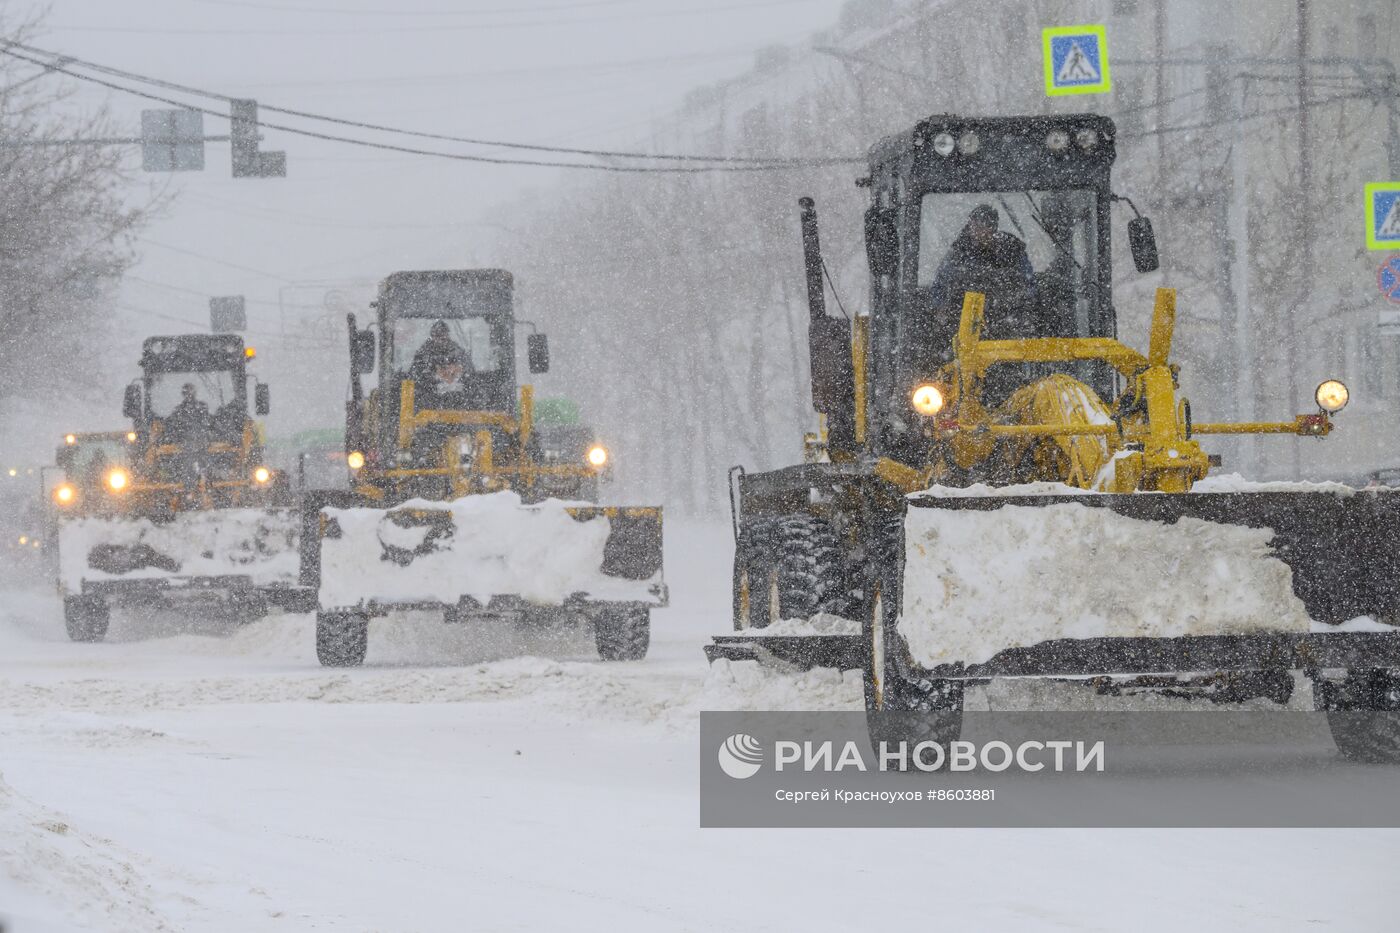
x: 440, y: 362
x: 189, y: 419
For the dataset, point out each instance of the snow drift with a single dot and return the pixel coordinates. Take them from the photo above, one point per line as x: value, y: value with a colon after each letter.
x: 260, y: 544
x: 476, y: 547
x: 977, y: 582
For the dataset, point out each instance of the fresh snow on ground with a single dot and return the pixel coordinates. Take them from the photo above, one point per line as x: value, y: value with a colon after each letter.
x: 189, y: 775
x: 494, y: 546
x: 977, y: 582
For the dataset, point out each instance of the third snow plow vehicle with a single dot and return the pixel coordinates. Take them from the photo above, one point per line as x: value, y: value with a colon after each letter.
x: 182, y: 507
x: 457, y: 505
x: 1009, y: 491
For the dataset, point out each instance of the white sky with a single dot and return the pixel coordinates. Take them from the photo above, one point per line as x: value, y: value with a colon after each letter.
x: 435, y: 65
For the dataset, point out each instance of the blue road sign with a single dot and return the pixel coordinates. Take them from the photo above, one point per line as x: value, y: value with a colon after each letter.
x: 1076, y: 60
x: 1383, y: 215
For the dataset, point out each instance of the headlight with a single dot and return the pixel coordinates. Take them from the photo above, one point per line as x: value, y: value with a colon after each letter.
x: 131, y: 437
x: 1332, y: 396
x: 969, y: 143
x: 598, y: 455
x: 1086, y: 138
x: 927, y: 399
x: 64, y: 494
x: 23, y: 540
x: 261, y: 474
x: 117, y: 480
x: 1057, y: 140
x: 355, y: 460
x: 943, y: 144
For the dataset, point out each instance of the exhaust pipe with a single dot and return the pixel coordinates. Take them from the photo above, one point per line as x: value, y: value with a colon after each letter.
x: 829, y: 349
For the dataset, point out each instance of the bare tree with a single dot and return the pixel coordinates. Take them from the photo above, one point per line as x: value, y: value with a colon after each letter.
x: 66, y: 230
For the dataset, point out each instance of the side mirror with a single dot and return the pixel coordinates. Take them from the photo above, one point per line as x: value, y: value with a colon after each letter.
x: 131, y: 402
x: 881, y: 241
x: 1143, y: 243
x: 364, y: 351
x: 537, y: 349
x: 262, y: 398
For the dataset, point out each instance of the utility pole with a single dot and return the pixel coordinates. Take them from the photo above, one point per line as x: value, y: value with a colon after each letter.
x: 1159, y: 28
x: 1302, y: 224
x: 1245, y: 352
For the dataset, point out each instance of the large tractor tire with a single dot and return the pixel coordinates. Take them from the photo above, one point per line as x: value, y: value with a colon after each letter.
x: 898, y: 708
x: 85, y: 617
x: 623, y: 634
x: 1363, y: 712
x: 341, y: 638
x: 788, y: 567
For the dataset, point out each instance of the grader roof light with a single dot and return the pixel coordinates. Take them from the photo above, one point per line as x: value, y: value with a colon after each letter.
x: 1332, y: 396
x: 598, y: 455
x: 131, y: 437
x: 70, y: 438
x: 927, y: 399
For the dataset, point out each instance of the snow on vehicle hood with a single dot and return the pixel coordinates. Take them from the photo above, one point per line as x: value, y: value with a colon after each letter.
x: 978, y: 582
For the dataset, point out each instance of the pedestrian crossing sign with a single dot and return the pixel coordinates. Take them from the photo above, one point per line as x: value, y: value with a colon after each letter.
x: 1383, y: 215
x: 1076, y: 60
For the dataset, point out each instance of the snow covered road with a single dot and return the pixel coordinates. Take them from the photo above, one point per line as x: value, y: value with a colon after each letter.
x: 219, y: 779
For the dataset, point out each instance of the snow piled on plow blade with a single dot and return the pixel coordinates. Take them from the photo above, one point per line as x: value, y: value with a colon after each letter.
x: 478, y: 548
x: 259, y: 544
x: 979, y: 581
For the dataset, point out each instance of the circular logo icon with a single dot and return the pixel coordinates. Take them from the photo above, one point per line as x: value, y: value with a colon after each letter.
x: 1388, y: 278
x: 740, y: 756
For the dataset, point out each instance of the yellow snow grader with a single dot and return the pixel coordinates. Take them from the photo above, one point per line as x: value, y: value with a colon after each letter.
x: 459, y: 505
x: 181, y: 507
x: 1005, y: 489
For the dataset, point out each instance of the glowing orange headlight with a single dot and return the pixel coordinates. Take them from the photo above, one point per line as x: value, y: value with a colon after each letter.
x: 927, y: 399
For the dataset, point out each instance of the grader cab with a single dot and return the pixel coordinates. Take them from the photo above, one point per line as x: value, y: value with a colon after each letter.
x: 1006, y: 489
x: 458, y: 503
x: 181, y: 507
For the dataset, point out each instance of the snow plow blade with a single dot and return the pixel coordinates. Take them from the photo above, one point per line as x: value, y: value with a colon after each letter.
x: 844, y: 652
x: 482, y: 552
x: 236, y: 550
x: 1211, y: 581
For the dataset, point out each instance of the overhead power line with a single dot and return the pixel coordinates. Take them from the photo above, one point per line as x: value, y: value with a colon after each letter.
x: 734, y: 162
x: 547, y: 22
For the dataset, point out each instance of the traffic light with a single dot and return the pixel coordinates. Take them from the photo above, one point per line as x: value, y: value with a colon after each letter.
x: 248, y: 161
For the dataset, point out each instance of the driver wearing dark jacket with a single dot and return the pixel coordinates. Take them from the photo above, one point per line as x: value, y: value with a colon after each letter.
x: 993, y: 262
x: 440, y: 362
